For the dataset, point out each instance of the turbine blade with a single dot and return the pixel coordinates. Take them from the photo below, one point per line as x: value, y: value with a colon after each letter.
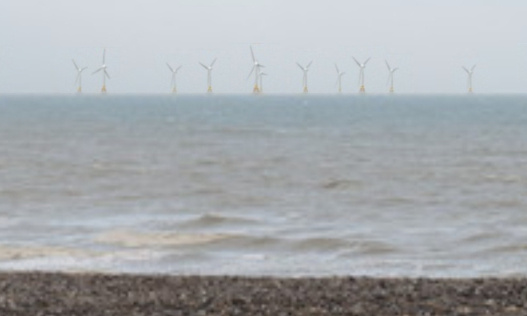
x: 214, y: 61
x: 83, y: 69
x: 252, y: 70
x: 252, y: 54
x: 464, y: 68
x: 472, y: 69
x: 395, y: 69
x: 367, y: 60
x: 169, y: 67
x: 388, y: 65
x: 106, y: 74
x: 337, y: 67
x: 104, y: 56
x: 204, y: 66
x: 356, y: 61
x: 177, y: 69
x: 309, y: 65
x: 96, y: 71
x: 75, y: 64
x: 300, y: 66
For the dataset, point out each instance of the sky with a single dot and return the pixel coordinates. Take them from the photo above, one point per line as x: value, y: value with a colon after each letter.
x: 428, y: 40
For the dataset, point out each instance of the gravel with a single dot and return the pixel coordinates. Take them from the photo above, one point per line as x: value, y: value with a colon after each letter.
x: 35, y: 293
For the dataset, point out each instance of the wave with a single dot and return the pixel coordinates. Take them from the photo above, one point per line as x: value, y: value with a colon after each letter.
x: 133, y: 239
x: 369, y: 247
x: 210, y: 220
x: 339, y: 184
x: 29, y: 252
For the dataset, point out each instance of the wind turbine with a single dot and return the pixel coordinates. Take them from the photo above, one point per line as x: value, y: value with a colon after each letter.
x: 78, y: 80
x: 104, y: 72
x: 209, y: 75
x: 361, y: 74
x: 256, y: 70
x: 305, y: 70
x: 261, y: 80
x: 174, y: 73
x: 390, y: 75
x: 469, y: 79
x: 339, y: 77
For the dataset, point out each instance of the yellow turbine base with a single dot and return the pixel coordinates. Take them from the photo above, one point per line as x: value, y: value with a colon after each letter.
x: 391, y: 90
x: 103, y: 89
x: 362, y: 89
x: 174, y: 90
x: 209, y: 90
x: 79, y: 90
x: 305, y: 90
x: 470, y: 90
x: 256, y: 89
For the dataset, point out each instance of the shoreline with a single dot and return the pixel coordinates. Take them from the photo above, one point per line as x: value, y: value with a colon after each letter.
x: 49, y: 293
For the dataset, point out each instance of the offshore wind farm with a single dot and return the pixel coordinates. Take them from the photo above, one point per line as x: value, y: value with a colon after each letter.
x: 256, y: 71
x: 226, y: 157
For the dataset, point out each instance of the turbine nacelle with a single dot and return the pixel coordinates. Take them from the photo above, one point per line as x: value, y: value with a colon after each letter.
x: 361, y: 65
x: 390, y: 76
x: 469, y: 78
x: 104, y: 72
x: 471, y: 71
x: 305, y: 70
x: 78, y: 79
x: 209, y: 74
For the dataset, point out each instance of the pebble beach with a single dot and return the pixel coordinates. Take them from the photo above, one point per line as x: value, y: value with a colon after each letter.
x: 36, y: 293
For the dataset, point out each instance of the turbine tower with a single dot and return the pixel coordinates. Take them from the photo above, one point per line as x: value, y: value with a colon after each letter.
x: 361, y: 73
x: 339, y: 78
x: 390, y: 75
x: 78, y: 80
x: 209, y: 75
x: 469, y: 78
x: 104, y: 72
x: 261, y: 80
x: 305, y: 70
x: 256, y: 70
x: 174, y: 73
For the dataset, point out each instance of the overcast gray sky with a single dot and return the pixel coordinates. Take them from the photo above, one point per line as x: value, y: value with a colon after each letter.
x: 428, y: 40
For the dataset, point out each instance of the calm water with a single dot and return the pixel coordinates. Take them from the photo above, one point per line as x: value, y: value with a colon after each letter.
x: 265, y: 185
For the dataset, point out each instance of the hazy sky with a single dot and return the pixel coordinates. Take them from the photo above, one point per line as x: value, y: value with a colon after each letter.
x: 428, y: 40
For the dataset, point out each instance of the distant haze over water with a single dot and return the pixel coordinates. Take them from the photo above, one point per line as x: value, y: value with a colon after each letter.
x: 428, y: 40
x: 265, y: 185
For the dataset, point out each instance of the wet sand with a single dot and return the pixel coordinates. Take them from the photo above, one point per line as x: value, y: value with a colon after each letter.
x: 99, y: 294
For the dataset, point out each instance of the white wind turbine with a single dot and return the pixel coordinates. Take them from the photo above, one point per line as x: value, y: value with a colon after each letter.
x: 256, y: 70
x: 390, y: 75
x: 78, y: 80
x: 209, y: 74
x: 174, y: 74
x: 305, y: 70
x: 361, y: 73
x: 104, y: 72
x: 339, y: 78
x: 261, y: 80
x: 469, y: 78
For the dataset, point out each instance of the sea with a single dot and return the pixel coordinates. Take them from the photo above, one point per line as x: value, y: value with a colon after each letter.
x: 265, y: 185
